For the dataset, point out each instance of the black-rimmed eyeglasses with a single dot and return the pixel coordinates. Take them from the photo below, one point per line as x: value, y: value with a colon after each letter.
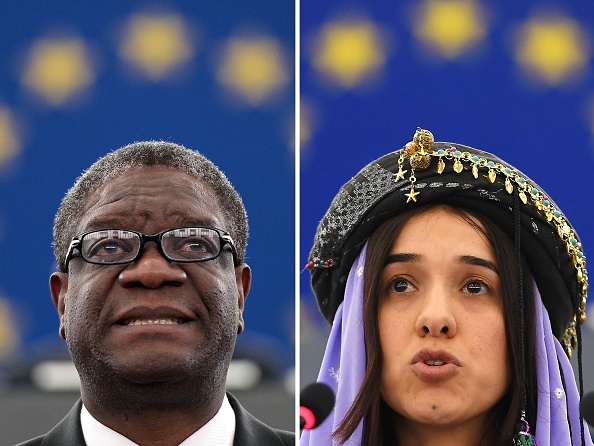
x: 184, y: 244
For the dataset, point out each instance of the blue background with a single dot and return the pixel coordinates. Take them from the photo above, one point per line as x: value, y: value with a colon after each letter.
x: 483, y: 97
x: 253, y: 143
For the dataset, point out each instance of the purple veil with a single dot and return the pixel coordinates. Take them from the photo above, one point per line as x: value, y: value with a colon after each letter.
x: 556, y: 403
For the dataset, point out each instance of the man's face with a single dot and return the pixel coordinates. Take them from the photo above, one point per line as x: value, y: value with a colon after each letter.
x: 185, y: 315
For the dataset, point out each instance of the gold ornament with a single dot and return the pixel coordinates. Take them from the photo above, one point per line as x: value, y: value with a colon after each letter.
x: 440, y: 166
x: 411, y: 148
x: 400, y: 174
x: 424, y: 139
x: 419, y: 161
x: 412, y: 195
x: 508, y: 186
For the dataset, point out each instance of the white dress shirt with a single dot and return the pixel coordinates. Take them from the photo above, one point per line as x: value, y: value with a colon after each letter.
x: 219, y: 431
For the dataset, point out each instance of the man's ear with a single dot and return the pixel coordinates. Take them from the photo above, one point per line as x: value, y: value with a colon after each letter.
x: 59, y: 289
x: 243, y: 278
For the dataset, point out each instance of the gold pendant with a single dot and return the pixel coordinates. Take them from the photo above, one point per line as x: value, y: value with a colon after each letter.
x: 440, y: 166
x: 508, y: 186
x: 412, y: 195
x: 492, y: 175
x: 458, y: 166
x: 475, y: 171
x: 523, y: 197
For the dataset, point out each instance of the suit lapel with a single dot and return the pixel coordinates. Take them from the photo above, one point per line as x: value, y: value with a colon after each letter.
x: 249, y: 430
x: 68, y: 431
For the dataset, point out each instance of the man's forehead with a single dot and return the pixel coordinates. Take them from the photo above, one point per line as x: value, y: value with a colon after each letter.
x: 153, y: 193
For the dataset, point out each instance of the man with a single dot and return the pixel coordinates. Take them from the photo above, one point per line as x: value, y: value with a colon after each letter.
x: 150, y: 289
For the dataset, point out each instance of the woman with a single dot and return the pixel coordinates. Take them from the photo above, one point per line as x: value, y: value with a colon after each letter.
x: 456, y: 289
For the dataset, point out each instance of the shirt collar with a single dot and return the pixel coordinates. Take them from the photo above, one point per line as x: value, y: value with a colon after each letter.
x: 219, y: 431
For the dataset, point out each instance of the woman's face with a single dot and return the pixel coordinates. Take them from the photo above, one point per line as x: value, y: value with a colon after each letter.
x: 441, y: 324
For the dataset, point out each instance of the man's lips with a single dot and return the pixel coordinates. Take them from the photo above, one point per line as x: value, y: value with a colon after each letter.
x: 161, y: 315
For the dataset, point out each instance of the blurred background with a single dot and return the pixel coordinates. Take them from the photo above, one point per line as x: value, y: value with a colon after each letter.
x: 513, y: 78
x: 79, y: 79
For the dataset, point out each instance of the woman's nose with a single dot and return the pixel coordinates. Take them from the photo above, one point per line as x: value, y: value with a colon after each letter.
x: 436, y: 317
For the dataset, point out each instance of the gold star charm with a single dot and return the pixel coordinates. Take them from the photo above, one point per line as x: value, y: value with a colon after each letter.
x: 412, y: 195
x: 400, y: 174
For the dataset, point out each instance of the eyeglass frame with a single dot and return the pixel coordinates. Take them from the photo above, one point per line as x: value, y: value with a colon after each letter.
x: 224, y: 237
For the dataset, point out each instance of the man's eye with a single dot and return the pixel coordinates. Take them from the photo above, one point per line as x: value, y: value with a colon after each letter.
x: 109, y: 247
x: 195, y: 245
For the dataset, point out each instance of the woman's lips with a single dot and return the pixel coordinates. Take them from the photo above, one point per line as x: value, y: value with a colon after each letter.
x: 435, y: 364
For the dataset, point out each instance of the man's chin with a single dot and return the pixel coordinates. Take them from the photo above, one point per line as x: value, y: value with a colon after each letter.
x: 155, y: 369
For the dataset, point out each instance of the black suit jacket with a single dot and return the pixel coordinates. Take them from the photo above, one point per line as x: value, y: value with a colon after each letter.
x: 248, y: 430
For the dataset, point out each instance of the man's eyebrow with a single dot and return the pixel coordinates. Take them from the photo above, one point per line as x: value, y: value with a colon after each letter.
x: 121, y: 222
x: 183, y: 220
x: 110, y: 222
x: 472, y: 260
x: 402, y: 257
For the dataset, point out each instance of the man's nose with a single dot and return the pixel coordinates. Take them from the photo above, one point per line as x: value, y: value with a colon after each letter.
x: 152, y: 270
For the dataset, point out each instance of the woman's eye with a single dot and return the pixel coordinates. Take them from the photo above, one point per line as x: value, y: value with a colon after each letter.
x: 475, y: 287
x: 401, y: 285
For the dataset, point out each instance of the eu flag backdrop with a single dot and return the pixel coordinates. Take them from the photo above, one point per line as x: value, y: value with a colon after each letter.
x: 79, y: 79
x: 511, y: 78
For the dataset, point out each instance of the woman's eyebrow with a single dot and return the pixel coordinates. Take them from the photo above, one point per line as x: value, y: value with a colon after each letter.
x: 403, y: 257
x: 472, y: 260
x: 467, y: 259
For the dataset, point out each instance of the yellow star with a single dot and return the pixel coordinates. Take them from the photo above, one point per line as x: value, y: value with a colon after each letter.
x: 9, y: 141
x: 412, y: 195
x: 400, y: 174
x: 552, y: 47
x: 253, y: 67
x: 349, y: 51
x: 156, y: 44
x: 450, y: 27
x: 57, y: 69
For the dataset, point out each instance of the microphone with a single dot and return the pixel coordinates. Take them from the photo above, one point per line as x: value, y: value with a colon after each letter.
x: 587, y: 408
x: 315, y: 404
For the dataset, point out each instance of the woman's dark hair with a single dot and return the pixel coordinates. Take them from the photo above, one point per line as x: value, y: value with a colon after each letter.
x: 379, y: 427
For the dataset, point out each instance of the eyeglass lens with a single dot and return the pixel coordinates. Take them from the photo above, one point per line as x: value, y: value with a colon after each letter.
x: 183, y: 244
